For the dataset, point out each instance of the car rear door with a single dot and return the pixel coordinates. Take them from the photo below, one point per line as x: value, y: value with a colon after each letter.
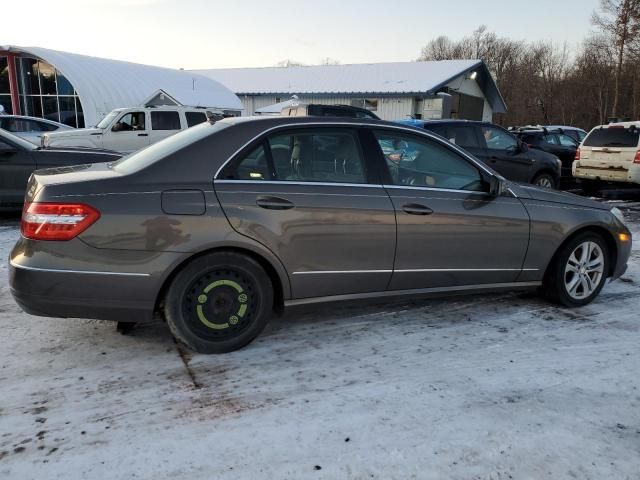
x: 164, y: 123
x: 310, y: 196
x: 451, y: 232
x: 503, y: 154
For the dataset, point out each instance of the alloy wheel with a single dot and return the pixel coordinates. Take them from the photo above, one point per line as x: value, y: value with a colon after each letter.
x: 584, y: 270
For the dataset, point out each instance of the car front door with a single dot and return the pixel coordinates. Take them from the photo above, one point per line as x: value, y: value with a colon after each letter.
x: 16, y: 164
x: 128, y: 134
x: 309, y: 195
x: 505, y: 155
x: 451, y: 231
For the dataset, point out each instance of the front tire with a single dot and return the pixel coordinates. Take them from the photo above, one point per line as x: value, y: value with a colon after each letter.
x: 579, y: 271
x: 219, y: 302
x: 545, y: 180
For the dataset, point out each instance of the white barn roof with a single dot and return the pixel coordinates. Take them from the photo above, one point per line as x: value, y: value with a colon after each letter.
x: 104, y: 84
x: 366, y: 78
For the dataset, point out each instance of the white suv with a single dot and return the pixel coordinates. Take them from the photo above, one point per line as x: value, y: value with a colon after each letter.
x: 610, y: 153
x: 126, y: 130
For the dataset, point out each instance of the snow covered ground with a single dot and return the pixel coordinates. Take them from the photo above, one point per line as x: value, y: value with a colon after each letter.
x: 483, y: 387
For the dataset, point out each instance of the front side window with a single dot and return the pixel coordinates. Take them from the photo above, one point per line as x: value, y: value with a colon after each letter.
x: 421, y: 162
x: 165, y: 121
x: 304, y: 156
x: 129, y: 122
x: 497, y: 139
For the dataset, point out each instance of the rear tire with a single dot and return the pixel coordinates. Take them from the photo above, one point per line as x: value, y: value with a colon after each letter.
x: 545, y: 180
x: 579, y: 271
x: 219, y: 302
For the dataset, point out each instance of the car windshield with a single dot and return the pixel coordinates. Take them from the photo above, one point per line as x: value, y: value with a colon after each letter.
x: 147, y: 156
x: 21, y: 142
x: 613, y: 137
x: 106, y: 121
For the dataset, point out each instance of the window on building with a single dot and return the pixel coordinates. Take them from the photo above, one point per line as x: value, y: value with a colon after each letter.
x: 45, y: 92
x: 165, y: 120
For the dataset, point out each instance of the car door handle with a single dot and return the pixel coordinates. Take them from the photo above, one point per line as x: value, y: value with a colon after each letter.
x: 143, y: 134
x: 416, y: 209
x: 274, y: 203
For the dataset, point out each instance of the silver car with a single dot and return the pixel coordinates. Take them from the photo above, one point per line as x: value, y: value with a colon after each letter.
x: 30, y: 128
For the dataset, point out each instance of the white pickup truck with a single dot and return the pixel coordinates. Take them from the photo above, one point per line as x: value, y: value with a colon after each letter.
x: 126, y: 130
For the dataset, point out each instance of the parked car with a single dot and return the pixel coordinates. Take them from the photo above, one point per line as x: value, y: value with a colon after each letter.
x: 18, y: 158
x: 499, y: 149
x: 576, y: 133
x: 129, y: 129
x: 300, y: 211
x: 318, y: 110
x: 554, y: 141
x: 610, y: 153
x: 30, y: 128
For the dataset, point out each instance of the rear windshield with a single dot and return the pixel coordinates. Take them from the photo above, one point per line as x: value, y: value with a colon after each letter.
x: 613, y: 137
x: 147, y: 156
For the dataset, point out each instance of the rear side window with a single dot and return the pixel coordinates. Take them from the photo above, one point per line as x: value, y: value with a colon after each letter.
x: 613, y: 137
x: 194, y: 118
x: 304, y: 156
x: 165, y: 120
x: 463, y: 136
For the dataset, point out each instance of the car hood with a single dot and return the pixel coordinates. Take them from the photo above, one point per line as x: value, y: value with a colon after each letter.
x: 548, y: 195
x: 74, y: 133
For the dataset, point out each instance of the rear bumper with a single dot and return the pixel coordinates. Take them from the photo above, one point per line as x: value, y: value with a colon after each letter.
x: 77, y: 295
x: 623, y: 175
x: 45, y: 283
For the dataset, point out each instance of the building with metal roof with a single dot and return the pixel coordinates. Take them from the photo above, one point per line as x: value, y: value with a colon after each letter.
x: 80, y: 90
x: 456, y: 88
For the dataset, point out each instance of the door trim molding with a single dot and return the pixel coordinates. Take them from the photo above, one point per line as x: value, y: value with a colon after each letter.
x: 394, y: 293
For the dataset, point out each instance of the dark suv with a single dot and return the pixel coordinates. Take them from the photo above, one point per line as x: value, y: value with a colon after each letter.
x: 551, y: 140
x: 499, y: 149
x: 318, y: 110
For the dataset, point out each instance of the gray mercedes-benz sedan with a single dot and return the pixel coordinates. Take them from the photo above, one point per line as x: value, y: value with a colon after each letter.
x: 219, y: 226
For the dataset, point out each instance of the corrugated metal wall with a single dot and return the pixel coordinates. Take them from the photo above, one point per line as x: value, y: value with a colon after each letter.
x: 389, y: 108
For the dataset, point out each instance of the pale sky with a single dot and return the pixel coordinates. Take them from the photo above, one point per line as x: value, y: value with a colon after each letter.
x: 254, y: 33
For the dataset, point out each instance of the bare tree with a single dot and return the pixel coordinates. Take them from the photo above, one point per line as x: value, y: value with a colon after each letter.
x: 288, y: 63
x: 619, y: 20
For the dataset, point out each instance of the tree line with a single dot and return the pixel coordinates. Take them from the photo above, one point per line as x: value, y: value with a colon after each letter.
x: 547, y: 83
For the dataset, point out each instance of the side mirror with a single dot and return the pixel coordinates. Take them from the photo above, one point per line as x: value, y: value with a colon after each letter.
x: 497, y: 186
x: 523, y: 147
x: 117, y: 127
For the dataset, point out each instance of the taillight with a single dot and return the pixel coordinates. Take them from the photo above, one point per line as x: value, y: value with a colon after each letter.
x: 56, y: 221
x: 577, y: 157
x: 637, y: 157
